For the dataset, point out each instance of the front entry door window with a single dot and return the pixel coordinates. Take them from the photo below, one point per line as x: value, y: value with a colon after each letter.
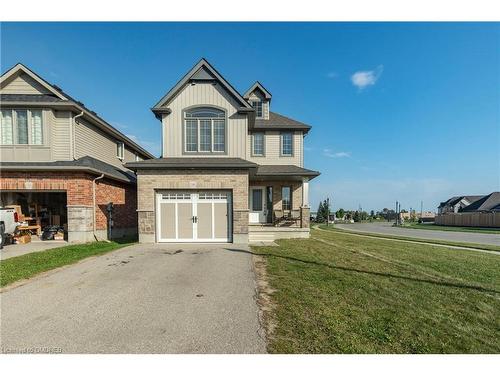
x: 257, y: 206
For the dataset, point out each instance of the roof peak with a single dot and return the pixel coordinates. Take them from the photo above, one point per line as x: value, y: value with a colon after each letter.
x: 259, y: 86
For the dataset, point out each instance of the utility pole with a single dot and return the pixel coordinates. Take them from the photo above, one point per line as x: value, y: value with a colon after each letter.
x: 397, y: 219
x: 327, y: 211
x: 421, y: 209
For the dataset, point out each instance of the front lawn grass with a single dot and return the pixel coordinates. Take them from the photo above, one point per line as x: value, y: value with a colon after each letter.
x: 337, y: 293
x: 413, y: 239
x: 29, y: 265
x: 450, y: 229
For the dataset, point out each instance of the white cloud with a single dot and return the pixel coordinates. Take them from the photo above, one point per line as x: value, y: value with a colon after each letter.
x: 332, y: 75
x: 363, y: 79
x: 340, y: 154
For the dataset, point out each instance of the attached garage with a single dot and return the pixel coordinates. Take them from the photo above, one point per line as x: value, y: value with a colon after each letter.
x: 194, y: 216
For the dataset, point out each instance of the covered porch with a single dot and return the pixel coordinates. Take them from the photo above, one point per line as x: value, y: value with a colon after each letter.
x: 279, y: 200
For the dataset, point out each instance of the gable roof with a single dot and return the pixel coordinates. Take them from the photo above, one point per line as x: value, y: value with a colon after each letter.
x: 58, y: 97
x: 279, y: 122
x: 257, y: 85
x: 19, y: 68
x: 490, y: 202
x: 454, y: 200
x: 202, y: 71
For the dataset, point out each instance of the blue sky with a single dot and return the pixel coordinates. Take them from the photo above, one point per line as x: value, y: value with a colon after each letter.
x: 404, y: 112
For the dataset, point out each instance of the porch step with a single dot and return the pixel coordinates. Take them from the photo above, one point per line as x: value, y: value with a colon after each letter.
x: 269, y: 234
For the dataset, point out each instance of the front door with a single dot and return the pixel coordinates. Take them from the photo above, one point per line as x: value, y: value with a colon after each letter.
x: 257, y: 205
x: 193, y: 216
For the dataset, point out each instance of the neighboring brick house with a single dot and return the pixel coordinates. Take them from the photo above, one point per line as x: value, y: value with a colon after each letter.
x: 231, y: 170
x: 62, y: 163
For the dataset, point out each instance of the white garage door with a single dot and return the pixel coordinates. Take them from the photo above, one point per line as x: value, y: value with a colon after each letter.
x: 193, y: 216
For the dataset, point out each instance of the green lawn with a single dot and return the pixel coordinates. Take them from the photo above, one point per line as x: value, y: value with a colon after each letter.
x: 29, y: 265
x: 338, y: 293
x: 450, y: 229
x: 413, y: 239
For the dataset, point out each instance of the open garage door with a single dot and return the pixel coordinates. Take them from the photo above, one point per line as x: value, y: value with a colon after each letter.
x: 37, y: 209
x: 194, y: 216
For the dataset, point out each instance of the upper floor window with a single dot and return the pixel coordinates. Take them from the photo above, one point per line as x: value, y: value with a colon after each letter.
x: 120, y: 150
x: 287, y: 144
x: 258, y: 144
x: 21, y: 127
x: 205, y: 130
x: 257, y: 105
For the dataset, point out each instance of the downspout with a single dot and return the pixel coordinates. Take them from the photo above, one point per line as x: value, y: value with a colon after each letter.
x: 73, y: 136
x: 93, y: 206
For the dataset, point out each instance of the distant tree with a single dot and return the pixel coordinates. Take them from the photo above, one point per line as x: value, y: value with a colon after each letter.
x: 357, y: 217
x: 320, y: 218
x: 340, y: 213
x: 372, y: 213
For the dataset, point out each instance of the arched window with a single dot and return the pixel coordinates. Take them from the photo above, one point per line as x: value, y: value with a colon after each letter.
x: 205, y: 130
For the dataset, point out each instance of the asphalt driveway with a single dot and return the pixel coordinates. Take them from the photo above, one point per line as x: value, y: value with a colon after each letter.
x: 140, y: 299
x: 387, y: 228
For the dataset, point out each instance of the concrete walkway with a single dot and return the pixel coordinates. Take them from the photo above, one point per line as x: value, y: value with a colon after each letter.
x: 387, y: 228
x: 35, y: 245
x: 139, y: 299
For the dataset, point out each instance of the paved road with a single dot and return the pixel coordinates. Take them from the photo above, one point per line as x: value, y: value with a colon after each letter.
x: 387, y: 228
x: 140, y: 299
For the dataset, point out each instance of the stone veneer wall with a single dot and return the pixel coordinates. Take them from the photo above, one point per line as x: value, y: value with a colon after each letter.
x: 149, y: 181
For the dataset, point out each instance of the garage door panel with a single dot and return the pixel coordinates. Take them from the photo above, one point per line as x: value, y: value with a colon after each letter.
x: 167, y: 212
x: 194, y: 216
x: 185, y: 220
x: 204, y: 215
x: 221, y: 221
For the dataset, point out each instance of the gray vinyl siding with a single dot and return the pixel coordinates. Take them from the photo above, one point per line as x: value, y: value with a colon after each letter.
x: 204, y: 94
x: 23, y: 84
x: 91, y: 141
x: 61, y: 134
x: 272, y: 149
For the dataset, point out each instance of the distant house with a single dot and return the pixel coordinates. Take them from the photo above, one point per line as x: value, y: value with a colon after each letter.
x: 487, y: 203
x: 455, y: 204
x: 471, y: 211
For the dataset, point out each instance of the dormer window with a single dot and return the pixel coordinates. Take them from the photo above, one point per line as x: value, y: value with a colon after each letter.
x: 257, y: 105
x: 204, y: 130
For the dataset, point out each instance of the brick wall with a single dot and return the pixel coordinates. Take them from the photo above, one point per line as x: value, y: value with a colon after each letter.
x: 78, y: 187
x: 124, y: 198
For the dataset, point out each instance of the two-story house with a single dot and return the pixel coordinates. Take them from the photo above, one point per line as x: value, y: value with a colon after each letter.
x: 231, y: 169
x: 61, y: 163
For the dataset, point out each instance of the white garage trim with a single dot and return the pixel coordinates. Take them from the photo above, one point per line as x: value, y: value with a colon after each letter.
x: 208, y: 201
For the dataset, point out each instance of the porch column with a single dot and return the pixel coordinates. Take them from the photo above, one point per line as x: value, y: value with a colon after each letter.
x: 305, y: 211
x: 305, y: 192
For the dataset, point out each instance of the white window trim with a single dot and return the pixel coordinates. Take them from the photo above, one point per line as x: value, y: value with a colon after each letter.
x: 29, y: 119
x: 282, y: 143
x: 261, y: 107
x: 263, y: 144
x: 120, y: 150
x: 212, y: 136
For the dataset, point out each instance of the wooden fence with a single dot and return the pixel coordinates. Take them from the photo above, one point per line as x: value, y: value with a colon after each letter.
x: 470, y: 219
